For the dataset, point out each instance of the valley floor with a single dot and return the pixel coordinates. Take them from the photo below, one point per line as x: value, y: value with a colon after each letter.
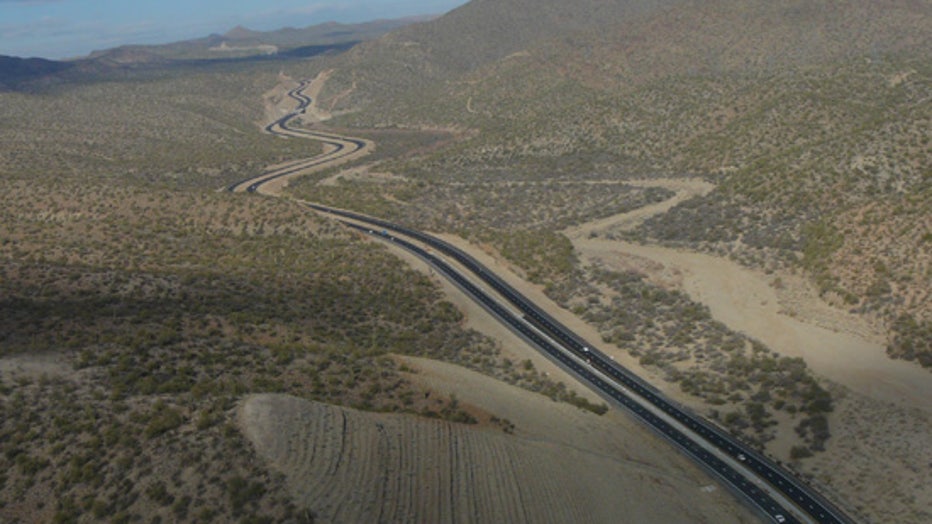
x: 881, y: 426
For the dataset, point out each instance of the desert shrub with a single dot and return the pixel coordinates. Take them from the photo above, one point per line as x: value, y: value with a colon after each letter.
x: 163, y: 419
x: 912, y: 340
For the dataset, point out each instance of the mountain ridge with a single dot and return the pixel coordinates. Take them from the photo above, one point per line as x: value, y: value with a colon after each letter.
x: 636, y: 40
x: 810, y: 113
x: 236, y: 44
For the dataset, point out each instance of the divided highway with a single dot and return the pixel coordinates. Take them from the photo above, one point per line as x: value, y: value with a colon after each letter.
x: 691, y: 433
x: 341, y: 147
x: 805, y: 498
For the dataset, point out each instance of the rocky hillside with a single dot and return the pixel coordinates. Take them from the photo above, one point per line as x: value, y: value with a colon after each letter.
x: 809, y: 116
x: 620, y: 43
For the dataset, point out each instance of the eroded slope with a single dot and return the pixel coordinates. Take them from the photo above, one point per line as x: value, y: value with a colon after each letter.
x: 560, y: 465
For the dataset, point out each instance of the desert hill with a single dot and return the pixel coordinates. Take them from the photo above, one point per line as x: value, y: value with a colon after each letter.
x: 809, y: 115
x: 352, y: 466
x: 14, y: 70
x: 242, y: 42
x: 239, y: 43
x: 139, y: 306
x: 642, y: 40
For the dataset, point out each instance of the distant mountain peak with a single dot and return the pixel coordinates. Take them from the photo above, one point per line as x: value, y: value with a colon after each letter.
x: 240, y: 33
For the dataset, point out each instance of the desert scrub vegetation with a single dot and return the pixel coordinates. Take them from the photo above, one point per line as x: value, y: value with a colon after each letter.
x: 169, y: 306
x: 518, y: 219
x: 139, y: 266
x: 739, y: 382
x: 180, y: 127
x: 796, y: 153
x: 847, y: 200
x: 73, y: 453
x: 912, y: 340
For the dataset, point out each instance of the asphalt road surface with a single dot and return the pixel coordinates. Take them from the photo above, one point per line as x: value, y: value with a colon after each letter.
x: 743, y: 470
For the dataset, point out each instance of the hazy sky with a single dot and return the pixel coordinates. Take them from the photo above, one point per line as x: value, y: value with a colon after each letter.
x: 70, y: 28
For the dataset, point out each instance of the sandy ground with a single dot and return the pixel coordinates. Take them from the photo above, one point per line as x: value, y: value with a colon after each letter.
x: 561, y: 464
x: 746, y: 301
x: 276, y: 102
x: 685, y: 188
x: 34, y: 367
x: 792, y: 321
x: 360, y: 174
x: 879, y: 458
x: 314, y: 112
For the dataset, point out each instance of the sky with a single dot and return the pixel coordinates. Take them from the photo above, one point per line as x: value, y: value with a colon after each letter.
x: 72, y: 28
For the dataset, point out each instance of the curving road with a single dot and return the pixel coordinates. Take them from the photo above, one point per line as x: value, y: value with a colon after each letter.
x: 770, y: 488
x: 341, y: 148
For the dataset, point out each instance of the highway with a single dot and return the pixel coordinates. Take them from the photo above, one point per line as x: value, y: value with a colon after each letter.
x: 740, y: 467
x: 819, y: 509
x: 342, y: 147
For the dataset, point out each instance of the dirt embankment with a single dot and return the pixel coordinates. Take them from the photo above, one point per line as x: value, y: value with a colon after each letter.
x: 560, y: 465
x: 335, y: 151
x: 881, y: 424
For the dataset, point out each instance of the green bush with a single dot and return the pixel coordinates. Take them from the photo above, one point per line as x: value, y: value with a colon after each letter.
x: 163, y: 419
x: 800, y: 452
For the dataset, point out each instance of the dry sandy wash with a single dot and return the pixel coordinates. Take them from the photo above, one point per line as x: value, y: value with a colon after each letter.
x: 560, y: 465
x: 790, y: 318
x: 879, y: 458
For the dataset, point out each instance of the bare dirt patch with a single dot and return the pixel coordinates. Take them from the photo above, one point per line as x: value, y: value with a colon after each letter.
x: 350, y: 466
x: 878, y: 454
x: 276, y: 101
x: 745, y: 300
x: 781, y: 311
x: 314, y: 112
x: 880, y: 458
x: 685, y: 189
x: 361, y: 174
x: 35, y: 366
